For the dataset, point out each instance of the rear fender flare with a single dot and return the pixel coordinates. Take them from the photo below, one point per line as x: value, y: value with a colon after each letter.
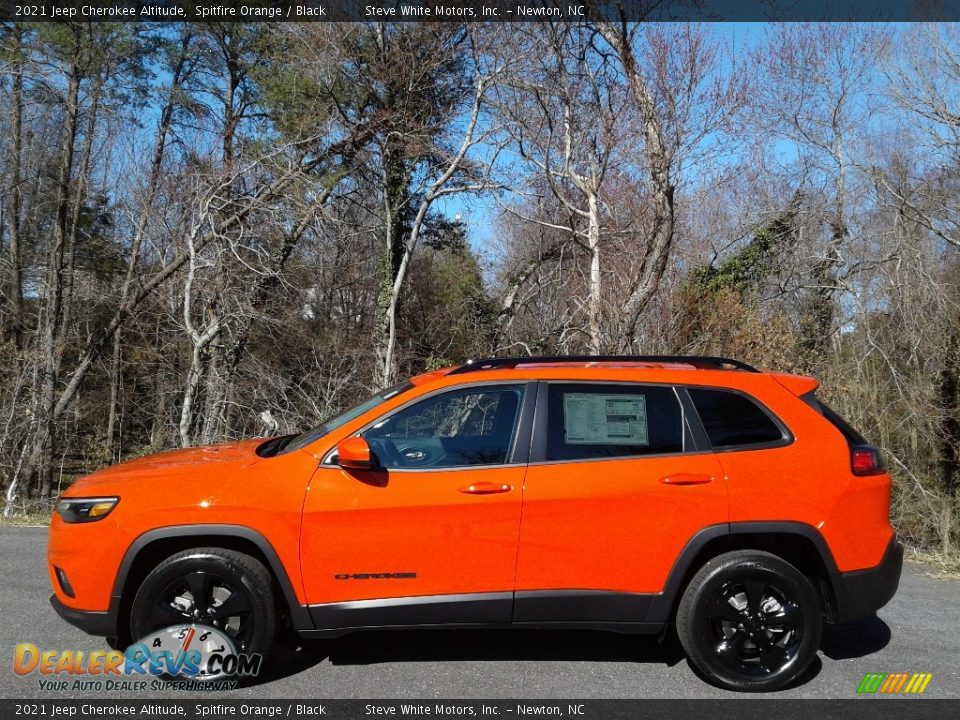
x: 664, y: 603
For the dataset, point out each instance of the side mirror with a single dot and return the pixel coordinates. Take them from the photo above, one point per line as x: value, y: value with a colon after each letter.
x: 354, y: 454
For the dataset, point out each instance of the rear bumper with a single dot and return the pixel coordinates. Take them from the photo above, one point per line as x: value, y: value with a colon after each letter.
x: 861, y: 593
x: 102, y: 624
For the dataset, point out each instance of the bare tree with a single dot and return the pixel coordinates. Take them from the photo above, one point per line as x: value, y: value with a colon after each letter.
x: 14, y: 190
x: 817, y: 81
x: 682, y: 108
x: 180, y: 70
x: 200, y: 341
x: 923, y: 84
x: 567, y: 119
x: 456, y: 174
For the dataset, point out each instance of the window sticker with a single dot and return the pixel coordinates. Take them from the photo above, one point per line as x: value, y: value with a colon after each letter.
x: 603, y: 418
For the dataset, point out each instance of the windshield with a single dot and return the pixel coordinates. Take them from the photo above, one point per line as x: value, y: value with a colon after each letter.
x: 297, y: 442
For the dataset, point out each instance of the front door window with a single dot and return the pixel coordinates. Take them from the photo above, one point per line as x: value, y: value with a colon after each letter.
x: 461, y: 428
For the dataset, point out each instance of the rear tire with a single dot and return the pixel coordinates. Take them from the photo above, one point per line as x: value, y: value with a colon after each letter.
x: 212, y: 586
x: 749, y: 621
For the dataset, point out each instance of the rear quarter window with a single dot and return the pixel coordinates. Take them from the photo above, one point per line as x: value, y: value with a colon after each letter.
x: 733, y: 419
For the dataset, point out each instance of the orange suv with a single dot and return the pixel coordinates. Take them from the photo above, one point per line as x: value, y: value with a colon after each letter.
x: 616, y: 493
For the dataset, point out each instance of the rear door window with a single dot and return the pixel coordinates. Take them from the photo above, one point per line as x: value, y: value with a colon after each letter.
x: 588, y: 420
x: 733, y: 419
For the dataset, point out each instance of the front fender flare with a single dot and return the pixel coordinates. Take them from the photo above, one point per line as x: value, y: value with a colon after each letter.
x: 299, y: 615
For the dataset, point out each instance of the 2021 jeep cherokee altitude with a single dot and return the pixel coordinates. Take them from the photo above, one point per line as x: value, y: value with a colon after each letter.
x: 618, y: 493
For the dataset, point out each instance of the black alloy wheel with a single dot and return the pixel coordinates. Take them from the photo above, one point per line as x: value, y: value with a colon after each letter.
x: 750, y: 621
x: 224, y: 589
x: 756, y: 626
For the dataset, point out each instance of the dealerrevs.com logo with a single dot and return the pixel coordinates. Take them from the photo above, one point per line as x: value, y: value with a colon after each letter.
x: 190, y: 657
x: 902, y: 683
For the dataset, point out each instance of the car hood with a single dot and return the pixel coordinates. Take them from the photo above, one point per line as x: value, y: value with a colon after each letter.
x: 170, y: 463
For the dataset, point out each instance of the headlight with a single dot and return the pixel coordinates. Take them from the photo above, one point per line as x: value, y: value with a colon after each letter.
x: 80, y: 510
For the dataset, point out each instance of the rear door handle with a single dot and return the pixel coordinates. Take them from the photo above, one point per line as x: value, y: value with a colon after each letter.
x: 684, y: 478
x: 486, y: 488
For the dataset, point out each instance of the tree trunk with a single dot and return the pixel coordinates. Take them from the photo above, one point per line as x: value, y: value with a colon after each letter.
x: 659, y: 160
x: 390, y: 322
x: 950, y: 437
x: 199, y: 367
x: 190, y: 395
x: 81, y: 185
x: 200, y: 343
x: 15, y: 279
x: 163, y: 378
x: 113, y: 378
x: 214, y: 395
x: 396, y: 180
x: 593, y: 301
x: 153, y: 184
x: 37, y: 464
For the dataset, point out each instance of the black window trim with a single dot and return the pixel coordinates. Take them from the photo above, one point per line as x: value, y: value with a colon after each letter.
x: 850, y: 433
x: 787, y: 437
x: 520, y: 445
x: 538, y: 440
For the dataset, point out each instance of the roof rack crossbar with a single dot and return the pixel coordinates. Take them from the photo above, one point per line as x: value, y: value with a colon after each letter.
x: 704, y: 362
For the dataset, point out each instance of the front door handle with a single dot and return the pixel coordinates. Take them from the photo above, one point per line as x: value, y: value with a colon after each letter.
x: 685, y: 478
x: 486, y: 488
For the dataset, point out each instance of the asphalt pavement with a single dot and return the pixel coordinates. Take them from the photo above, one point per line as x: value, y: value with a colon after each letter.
x: 919, y: 631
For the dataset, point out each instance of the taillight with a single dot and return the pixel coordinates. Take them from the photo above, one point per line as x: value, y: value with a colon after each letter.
x: 866, y: 460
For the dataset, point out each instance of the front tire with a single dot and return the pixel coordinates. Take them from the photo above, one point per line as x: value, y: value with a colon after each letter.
x: 750, y: 621
x: 226, y: 589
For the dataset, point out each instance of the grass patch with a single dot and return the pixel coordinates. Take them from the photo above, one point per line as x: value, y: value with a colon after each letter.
x: 941, y: 565
x: 36, y: 519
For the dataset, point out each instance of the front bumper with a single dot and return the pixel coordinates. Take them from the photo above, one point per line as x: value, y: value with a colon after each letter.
x: 860, y: 593
x: 103, y: 624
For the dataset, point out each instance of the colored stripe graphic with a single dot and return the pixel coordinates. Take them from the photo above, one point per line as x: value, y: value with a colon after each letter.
x: 871, y: 682
x: 900, y: 682
x: 889, y: 682
x: 894, y: 683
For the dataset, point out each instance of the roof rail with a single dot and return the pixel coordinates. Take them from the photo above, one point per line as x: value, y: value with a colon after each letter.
x: 704, y: 362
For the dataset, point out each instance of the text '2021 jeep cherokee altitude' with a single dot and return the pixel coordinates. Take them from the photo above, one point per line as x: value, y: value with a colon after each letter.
x: 616, y: 493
